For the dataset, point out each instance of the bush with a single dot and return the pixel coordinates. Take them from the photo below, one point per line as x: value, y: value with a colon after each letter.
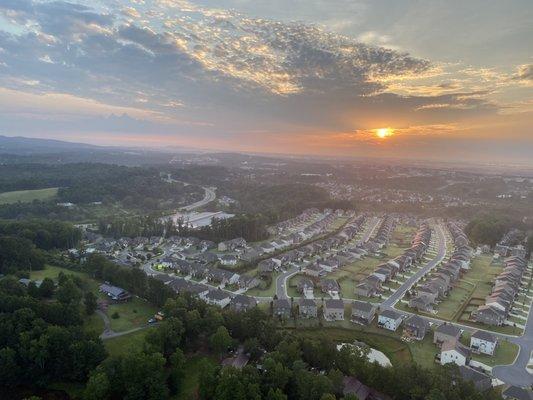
x: 115, y: 315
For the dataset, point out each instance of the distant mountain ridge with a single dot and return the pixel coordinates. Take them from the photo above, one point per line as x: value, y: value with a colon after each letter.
x: 25, y: 146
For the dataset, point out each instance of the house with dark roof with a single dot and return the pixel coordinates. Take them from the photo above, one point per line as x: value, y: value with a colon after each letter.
x: 216, y: 297
x: 481, y: 381
x: 446, y: 333
x: 334, y: 310
x: 281, y: 308
x: 242, y: 303
x: 517, y: 393
x: 114, y: 292
x: 390, y: 319
x: 363, y: 312
x: 483, y: 342
x: 415, y: 327
x: 307, y: 308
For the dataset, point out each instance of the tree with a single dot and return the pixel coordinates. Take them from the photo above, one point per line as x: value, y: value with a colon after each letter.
x: 276, y: 394
x: 220, y: 341
x: 90, y: 303
x: 9, y: 369
x: 47, y: 288
x: 177, y: 370
x: 97, y: 387
x: 68, y: 293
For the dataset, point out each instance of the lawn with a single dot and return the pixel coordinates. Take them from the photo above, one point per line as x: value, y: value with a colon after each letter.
x: 189, y: 386
x: 449, y: 309
x: 52, y: 272
x: 27, y: 196
x: 505, y: 352
x: 127, y: 343
x: 132, y: 314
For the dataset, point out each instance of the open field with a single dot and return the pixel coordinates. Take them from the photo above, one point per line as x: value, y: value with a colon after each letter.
x: 132, y: 314
x: 27, y: 196
x: 126, y: 344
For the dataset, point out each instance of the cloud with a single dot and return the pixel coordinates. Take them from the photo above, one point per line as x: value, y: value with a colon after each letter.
x: 221, y: 70
x: 524, y: 73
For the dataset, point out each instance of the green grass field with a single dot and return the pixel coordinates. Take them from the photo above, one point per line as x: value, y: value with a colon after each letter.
x: 132, y: 314
x: 126, y: 344
x: 27, y: 196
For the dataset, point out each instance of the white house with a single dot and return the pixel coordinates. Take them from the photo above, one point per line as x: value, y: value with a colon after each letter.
x: 390, y: 320
x: 454, y: 352
x: 483, y: 342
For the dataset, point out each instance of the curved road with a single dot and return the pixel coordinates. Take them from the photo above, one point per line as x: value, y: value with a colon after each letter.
x: 209, y: 196
x: 281, y: 280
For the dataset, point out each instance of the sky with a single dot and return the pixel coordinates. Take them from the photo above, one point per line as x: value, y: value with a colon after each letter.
x: 450, y: 80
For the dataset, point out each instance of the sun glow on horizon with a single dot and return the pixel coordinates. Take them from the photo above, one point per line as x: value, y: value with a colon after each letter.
x: 384, y: 133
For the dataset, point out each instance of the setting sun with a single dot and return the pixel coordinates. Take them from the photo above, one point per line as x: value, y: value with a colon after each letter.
x: 383, y: 133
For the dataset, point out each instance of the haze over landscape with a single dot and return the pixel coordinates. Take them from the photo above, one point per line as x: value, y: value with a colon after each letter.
x: 450, y: 80
x: 266, y: 200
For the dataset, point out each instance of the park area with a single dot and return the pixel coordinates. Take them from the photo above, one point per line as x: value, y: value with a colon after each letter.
x: 27, y: 196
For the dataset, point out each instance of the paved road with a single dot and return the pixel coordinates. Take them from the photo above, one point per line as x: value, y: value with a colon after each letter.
x: 516, y: 373
x: 282, y: 279
x: 409, y: 283
x: 209, y: 196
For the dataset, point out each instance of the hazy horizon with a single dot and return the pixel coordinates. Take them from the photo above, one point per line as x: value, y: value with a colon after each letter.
x: 381, y: 79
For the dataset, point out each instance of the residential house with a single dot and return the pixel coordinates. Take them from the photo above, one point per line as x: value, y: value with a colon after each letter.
x: 307, y: 308
x: 114, y: 292
x: 452, y: 351
x: 329, y: 286
x: 517, y: 393
x: 415, y: 327
x: 334, y: 310
x: 363, y: 312
x: 281, y: 308
x: 483, y: 342
x: 242, y: 302
x: 390, y: 320
x: 481, y: 381
x: 228, y: 259
x: 216, y: 297
x: 446, y: 333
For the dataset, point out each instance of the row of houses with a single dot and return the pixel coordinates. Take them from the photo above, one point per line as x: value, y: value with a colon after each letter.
x: 216, y: 276
x: 216, y: 297
x: 288, y: 225
x: 442, y: 279
x: 324, y: 264
x: 506, y: 287
x: 371, y: 285
x: 383, y: 235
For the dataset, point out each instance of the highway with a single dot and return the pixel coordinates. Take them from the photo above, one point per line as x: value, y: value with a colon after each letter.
x: 209, y: 196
